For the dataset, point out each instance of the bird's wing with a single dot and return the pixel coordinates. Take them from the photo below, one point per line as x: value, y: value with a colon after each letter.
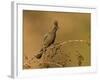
x: 45, y: 37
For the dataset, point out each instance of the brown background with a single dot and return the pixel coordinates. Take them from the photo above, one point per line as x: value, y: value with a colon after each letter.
x: 73, y: 26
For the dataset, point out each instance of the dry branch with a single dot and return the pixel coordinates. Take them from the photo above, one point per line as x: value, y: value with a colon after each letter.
x: 54, y: 56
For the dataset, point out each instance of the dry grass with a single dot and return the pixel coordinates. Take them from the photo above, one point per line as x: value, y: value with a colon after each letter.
x: 56, y: 57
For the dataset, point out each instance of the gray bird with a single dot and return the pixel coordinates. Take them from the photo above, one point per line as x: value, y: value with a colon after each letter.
x: 49, y: 39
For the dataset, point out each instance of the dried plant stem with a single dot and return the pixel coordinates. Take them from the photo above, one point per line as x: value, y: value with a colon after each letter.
x: 51, y: 53
x: 52, y: 63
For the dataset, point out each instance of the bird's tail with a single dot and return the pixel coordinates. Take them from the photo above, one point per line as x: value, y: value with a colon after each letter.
x: 38, y: 56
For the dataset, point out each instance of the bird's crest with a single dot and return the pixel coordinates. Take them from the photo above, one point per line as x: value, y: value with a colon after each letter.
x: 55, y: 26
x: 56, y: 23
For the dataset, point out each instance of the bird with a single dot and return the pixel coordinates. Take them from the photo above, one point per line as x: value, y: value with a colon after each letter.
x: 49, y: 39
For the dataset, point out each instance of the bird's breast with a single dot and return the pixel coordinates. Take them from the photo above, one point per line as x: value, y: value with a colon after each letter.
x: 50, y: 39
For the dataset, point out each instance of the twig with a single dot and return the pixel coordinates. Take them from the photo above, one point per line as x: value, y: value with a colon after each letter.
x: 56, y: 48
x: 52, y: 63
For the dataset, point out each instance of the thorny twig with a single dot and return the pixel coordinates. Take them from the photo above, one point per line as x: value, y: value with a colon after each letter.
x: 52, y: 63
x: 54, y: 49
x: 80, y: 58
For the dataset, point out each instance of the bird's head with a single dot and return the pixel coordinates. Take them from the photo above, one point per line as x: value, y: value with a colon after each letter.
x: 56, y: 25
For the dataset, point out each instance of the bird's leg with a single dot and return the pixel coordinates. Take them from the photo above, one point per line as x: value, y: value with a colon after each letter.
x: 44, y: 52
x: 54, y: 50
x: 59, y: 49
